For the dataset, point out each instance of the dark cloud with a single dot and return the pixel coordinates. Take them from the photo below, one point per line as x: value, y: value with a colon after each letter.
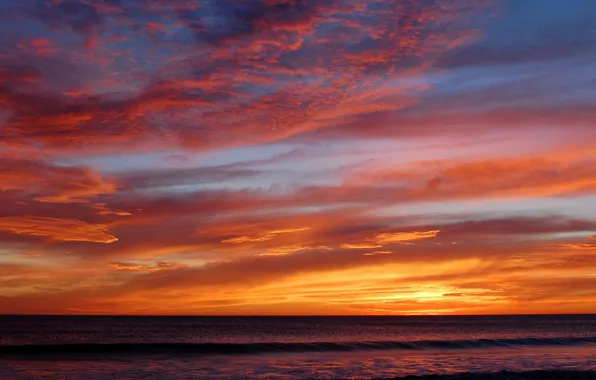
x: 218, y: 21
x: 79, y: 16
x: 181, y: 177
x: 503, y: 228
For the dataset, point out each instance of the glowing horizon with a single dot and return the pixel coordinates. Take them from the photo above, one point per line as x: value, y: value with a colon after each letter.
x: 285, y: 157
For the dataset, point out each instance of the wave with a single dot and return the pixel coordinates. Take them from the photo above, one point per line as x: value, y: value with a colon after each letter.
x: 41, y: 350
x: 511, y: 375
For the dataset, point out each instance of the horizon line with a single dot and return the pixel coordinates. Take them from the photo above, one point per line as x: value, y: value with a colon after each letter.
x: 296, y: 315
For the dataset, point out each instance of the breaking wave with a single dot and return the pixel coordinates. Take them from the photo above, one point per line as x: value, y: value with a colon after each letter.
x: 43, y: 350
x: 511, y: 375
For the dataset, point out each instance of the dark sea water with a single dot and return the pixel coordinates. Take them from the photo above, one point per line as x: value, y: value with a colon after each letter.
x: 495, y: 347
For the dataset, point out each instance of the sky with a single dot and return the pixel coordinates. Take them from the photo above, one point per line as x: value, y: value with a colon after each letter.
x: 283, y: 157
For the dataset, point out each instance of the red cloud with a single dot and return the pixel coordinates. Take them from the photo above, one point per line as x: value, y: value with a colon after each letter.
x: 281, y: 71
x: 51, y: 183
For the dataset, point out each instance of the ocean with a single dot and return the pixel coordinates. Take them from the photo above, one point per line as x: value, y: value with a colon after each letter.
x: 433, y: 347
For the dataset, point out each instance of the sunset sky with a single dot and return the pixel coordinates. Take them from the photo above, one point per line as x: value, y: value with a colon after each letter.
x: 216, y: 157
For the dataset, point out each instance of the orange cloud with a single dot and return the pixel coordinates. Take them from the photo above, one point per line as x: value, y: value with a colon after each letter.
x: 248, y: 239
x: 378, y: 253
x: 140, y: 268
x: 485, y: 281
x: 57, y: 229
x: 398, y: 237
x: 267, y: 236
x: 578, y: 246
x: 288, y: 250
x: 391, y: 237
x: 360, y: 246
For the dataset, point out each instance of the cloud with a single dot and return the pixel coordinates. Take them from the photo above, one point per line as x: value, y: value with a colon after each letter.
x: 248, y: 239
x: 269, y: 269
x: 385, y: 238
x: 284, y: 155
x: 484, y: 277
x: 57, y: 229
x: 360, y: 246
x: 288, y: 250
x: 399, y: 237
x: 238, y: 20
x: 261, y: 70
x: 165, y: 178
x: 378, y: 253
x: 267, y: 236
x: 523, y: 177
x: 52, y: 183
x: 515, y: 226
x: 418, y: 182
x: 140, y: 268
x: 578, y: 246
x: 79, y: 16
